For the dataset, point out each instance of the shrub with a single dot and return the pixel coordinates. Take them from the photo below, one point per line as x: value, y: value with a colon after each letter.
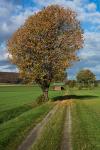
x: 40, y: 99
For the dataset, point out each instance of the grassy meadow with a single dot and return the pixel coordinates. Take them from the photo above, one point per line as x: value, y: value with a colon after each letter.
x: 86, y: 120
x: 19, y: 113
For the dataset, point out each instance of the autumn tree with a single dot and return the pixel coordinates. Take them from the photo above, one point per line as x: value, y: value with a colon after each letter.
x: 46, y: 45
x: 86, y: 78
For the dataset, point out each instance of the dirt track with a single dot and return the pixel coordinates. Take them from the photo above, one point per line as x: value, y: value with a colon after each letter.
x: 35, y: 133
x: 66, y: 139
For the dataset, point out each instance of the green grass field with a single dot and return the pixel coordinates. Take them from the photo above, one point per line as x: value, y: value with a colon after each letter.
x: 19, y: 113
x: 86, y: 120
x: 16, y: 96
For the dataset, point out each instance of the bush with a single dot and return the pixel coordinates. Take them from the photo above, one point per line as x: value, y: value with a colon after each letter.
x: 40, y: 99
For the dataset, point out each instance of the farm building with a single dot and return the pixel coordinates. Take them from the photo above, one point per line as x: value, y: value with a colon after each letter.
x: 9, y: 77
x: 57, y: 88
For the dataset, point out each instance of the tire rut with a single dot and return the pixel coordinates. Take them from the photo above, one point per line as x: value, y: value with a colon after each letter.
x: 35, y: 133
x: 66, y: 139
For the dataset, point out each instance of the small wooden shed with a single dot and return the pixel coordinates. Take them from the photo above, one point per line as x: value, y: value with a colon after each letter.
x: 58, y: 88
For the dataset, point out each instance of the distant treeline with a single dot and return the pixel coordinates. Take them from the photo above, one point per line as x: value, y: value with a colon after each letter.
x: 73, y: 83
x: 13, y: 77
x: 9, y: 77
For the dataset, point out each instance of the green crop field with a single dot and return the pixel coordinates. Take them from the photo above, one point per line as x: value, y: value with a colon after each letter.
x: 19, y: 113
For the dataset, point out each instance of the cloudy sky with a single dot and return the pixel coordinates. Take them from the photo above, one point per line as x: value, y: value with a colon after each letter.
x: 14, y: 12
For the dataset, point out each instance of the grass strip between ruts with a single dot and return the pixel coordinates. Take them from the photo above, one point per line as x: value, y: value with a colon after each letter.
x: 51, y: 136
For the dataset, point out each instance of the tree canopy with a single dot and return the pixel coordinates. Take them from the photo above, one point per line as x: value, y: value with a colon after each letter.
x: 46, y: 44
x: 86, y: 78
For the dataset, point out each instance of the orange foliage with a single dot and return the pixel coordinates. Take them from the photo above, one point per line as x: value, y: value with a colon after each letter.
x: 46, y: 44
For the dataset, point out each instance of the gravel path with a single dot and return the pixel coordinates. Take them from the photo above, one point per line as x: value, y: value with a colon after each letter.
x: 35, y: 133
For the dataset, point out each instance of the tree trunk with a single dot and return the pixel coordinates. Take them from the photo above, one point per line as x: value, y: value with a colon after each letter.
x: 45, y: 93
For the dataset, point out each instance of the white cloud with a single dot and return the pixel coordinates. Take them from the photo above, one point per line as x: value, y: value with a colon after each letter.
x: 69, y: 3
x: 19, y: 19
x: 47, y: 2
x: 9, y: 25
x: 4, y: 27
x: 95, y: 69
x: 91, y: 47
x: 94, y: 17
x: 3, y: 52
x: 89, y: 17
x: 91, y: 7
x: 87, y: 54
x: 8, y: 68
x: 5, y: 8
